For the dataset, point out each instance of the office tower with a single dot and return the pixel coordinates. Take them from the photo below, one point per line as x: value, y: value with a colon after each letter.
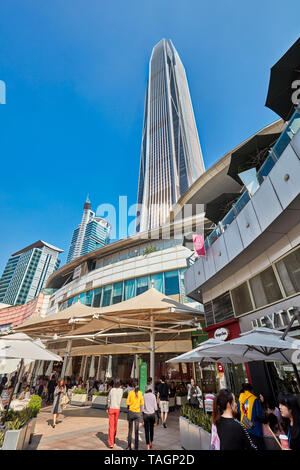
x: 171, y: 157
x: 27, y: 271
x: 92, y: 233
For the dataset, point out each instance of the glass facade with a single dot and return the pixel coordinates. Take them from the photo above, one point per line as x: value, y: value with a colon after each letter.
x: 169, y: 283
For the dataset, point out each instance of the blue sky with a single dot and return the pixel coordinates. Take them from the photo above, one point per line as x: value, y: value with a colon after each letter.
x: 76, y: 72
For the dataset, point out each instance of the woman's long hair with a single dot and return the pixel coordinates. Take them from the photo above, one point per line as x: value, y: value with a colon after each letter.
x: 291, y: 402
x: 220, y: 403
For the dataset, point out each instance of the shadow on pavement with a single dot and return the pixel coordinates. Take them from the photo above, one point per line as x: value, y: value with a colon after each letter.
x: 104, y: 438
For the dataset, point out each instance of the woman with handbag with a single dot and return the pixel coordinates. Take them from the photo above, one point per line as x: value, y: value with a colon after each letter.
x: 59, y: 393
x: 194, y: 394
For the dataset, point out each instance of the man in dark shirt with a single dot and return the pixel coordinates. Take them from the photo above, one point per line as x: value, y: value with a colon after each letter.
x: 163, y: 397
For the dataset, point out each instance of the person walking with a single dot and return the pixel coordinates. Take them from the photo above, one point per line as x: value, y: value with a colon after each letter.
x: 231, y: 433
x: 113, y: 408
x: 134, y: 402
x: 149, y: 408
x: 194, y: 394
x: 51, y: 388
x: 59, y: 392
x: 290, y: 411
x: 251, y: 414
x: 163, y: 397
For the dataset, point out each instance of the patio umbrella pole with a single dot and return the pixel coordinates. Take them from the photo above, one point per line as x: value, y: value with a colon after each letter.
x: 152, y: 352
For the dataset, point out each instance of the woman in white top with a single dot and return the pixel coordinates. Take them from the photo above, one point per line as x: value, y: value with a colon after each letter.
x: 194, y: 394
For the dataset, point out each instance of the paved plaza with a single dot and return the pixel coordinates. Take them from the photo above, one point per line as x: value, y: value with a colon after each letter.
x: 86, y: 428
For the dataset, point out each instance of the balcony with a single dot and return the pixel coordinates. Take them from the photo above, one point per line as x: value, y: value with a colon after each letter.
x: 263, y: 217
x: 275, y: 154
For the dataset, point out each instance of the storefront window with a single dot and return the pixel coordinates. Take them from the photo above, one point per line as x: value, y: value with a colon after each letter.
x: 209, y: 314
x: 222, y: 307
x: 106, y: 295
x: 158, y: 281
x: 241, y: 299
x: 265, y: 288
x: 171, y: 283
x: 117, y: 292
x: 289, y: 272
x: 141, y: 284
x: 97, y: 297
x: 129, y: 289
x: 82, y: 298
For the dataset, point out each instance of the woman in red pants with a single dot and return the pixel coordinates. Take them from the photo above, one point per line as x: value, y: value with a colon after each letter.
x: 113, y: 405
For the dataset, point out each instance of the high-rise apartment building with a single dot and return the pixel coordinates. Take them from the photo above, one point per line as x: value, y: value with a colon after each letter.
x: 27, y: 271
x: 171, y: 157
x: 92, y: 233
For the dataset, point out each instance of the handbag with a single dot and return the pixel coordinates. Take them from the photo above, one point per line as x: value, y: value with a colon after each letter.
x: 246, y: 421
x: 64, y: 400
x: 276, y: 439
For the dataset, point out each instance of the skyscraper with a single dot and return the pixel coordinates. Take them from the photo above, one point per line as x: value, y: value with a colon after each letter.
x: 171, y: 157
x: 92, y: 233
x: 27, y: 271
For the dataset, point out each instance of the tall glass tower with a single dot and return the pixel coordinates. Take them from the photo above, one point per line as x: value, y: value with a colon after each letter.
x: 171, y: 157
x: 27, y: 271
x: 92, y: 233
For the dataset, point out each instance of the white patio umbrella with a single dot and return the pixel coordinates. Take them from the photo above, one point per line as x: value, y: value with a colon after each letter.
x: 133, y: 374
x: 21, y: 346
x: 92, y: 367
x: 69, y: 368
x: 40, y: 368
x: 108, y: 372
x: 7, y: 366
x: 206, y: 352
x: 49, y: 369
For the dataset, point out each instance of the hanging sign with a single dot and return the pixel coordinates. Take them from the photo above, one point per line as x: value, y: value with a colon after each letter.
x: 143, y: 376
x: 199, y: 247
x: 221, y: 334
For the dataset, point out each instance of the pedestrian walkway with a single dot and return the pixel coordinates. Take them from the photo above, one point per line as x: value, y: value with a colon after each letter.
x: 86, y: 428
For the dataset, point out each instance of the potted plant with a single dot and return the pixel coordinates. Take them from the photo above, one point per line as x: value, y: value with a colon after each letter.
x: 99, y: 400
x: 15, y: 436
x: 195, y: 429
x: 79, y: 397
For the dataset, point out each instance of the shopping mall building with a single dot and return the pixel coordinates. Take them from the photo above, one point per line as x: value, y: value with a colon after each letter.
x: 250, y: 275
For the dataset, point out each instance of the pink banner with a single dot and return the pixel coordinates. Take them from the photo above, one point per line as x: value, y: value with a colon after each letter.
x: 199, y: 247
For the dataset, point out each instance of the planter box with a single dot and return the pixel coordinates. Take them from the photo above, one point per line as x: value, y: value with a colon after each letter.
x: 32, y: 429
x: 184, y: 432
x: 205, y: 439
x: 193, y: 437
x: 99, y: 401
x: 27, y: 434
x: 78, y: 399
x: 181, y: 401
x: 14, y: 439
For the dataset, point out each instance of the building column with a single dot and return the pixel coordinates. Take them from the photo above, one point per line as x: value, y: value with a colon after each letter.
x: 84, y: 368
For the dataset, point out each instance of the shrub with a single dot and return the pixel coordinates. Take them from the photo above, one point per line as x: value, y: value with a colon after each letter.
x: 196, y: 417
x: 125, y: 394
x: 35, y: 405
x: 101, y: 394
x: 17, y: 419
x: 79, y: 391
